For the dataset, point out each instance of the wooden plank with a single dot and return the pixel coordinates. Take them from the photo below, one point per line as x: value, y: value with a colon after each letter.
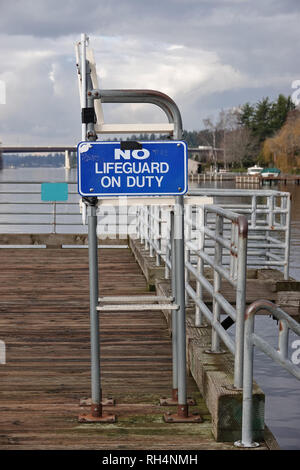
x: 44, y: 320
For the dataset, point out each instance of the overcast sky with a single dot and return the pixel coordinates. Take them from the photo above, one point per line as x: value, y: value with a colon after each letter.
x: 206, y: 54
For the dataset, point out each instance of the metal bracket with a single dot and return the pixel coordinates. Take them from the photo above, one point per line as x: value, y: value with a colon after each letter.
x: 182, y: 416
x: 90, y: 418
x: 174, y: 402
x: 96, y: 415
x: 104, y: 402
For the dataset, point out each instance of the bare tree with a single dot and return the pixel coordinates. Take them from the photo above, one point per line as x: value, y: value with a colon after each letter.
x: 235, y: 140
x: 213, y: 138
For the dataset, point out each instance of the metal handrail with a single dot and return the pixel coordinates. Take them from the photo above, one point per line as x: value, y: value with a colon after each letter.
x: 236, y: 248
x: 233, y: 243
x: 279, y: 356
x: 269, y: 223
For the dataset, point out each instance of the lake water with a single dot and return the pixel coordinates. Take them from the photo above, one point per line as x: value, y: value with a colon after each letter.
x: 282, y: 390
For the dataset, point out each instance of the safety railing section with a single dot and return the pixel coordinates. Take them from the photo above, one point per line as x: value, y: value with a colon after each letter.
x: 152, y: 230
x: 269, y: 216
x: 204, y: 289
x: 280, y: 356
x: 227, y: 263
x: 22, y: 210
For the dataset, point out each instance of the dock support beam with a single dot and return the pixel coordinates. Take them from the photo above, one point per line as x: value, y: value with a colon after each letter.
x: 67, y: 160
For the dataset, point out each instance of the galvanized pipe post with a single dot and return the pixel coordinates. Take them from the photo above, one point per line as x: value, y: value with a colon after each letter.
x: 174, y: 313
x: 201, y: 214
x: 88, y: 133
x: 96, y: 407
x: 180, y: 300
x: 247, y: 425
x: 287, y: 237
x: 215, y: 339
x: 240, y: 300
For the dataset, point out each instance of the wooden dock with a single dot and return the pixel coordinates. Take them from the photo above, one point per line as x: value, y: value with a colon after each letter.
x: 260, y: 180
x: 44, y: 321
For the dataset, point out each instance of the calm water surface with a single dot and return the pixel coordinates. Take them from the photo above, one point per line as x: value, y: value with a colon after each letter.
x: 282, y: 391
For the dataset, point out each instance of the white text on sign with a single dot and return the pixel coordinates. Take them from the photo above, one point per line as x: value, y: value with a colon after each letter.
x: 145, y: 174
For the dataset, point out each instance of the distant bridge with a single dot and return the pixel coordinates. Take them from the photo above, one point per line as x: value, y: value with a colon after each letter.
x: 66, y: 149
x: 200, y: 153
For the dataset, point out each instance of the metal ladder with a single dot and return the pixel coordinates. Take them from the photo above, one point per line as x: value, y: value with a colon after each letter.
x: 91, y: 99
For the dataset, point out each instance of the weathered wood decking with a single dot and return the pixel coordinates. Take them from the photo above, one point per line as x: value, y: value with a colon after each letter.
x: 44, y: 305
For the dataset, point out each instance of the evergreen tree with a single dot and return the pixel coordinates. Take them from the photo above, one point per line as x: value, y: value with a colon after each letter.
x: 246, y: 115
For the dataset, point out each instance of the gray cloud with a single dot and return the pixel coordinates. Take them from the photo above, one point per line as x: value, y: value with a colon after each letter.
x: 206, y: 54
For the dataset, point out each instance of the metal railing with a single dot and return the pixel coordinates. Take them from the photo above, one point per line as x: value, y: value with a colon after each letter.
x: 151, y: 221
x: 154, y: 227
x: 269, y: 217
x: 268, y: 214
x: 232, y: 245
x: 279, y: 356
x: 23, y: 211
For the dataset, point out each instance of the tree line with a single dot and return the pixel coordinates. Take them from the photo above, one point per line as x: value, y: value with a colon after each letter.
x: 266, y: 132
x: 241, y: 132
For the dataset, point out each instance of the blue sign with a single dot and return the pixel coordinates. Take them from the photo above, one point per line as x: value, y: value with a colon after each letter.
x: 132, y: 169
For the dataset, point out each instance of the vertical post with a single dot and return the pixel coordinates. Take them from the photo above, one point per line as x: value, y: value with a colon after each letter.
x: 174, y: 313
x: 180, y: 300
x: 88, y: 133
x: 201, y: 214
x: 247, y: 431
x: 240, y: 300
x: 287, y: 237
x: 283, y: 339
x: 271, y: 222
x: 96, y: 407
x: 159, y: 235
x: 151, y: 230
x: 67, y: 160
x: 253, y: 211
x: 83, y: 81
x: 189, y: 227
x: 54, y: 216
x: 215, y: 339
x: 167, y: 228
x: 179, y: 284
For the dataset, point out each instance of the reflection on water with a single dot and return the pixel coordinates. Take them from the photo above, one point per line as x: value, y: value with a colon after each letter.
x: 282, y: 390
x: 39, y: 175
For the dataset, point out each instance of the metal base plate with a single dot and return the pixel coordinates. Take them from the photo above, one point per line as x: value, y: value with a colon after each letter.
x: 104, y: 402
x: 171, y: 402
x: 246, y: 446
x: 89, y: 418
x: 175, y: 418
x: 209, y: 351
